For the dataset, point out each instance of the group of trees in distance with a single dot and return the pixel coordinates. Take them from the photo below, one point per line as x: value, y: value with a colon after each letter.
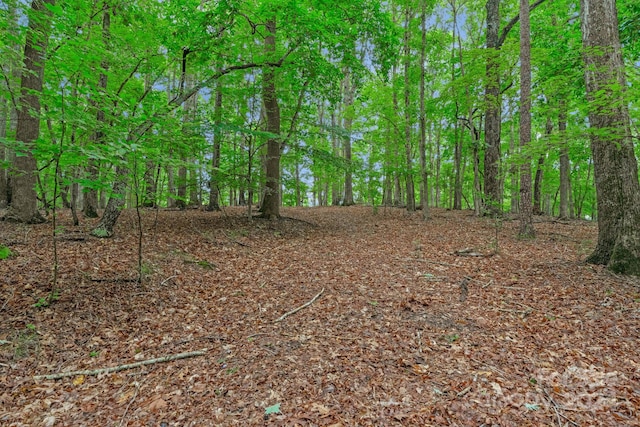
x: 496, y: 106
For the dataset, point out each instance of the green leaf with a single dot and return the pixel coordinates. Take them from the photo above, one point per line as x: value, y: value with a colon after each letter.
x: 5, y: 252
x: 532, y: 406
x: 274, y: 409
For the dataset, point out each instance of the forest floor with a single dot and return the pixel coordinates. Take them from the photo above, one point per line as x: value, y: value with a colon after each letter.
x: 449, y: 322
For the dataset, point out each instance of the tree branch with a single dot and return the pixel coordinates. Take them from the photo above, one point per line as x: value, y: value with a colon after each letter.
x: 122, y: 367
x: 295, y: 310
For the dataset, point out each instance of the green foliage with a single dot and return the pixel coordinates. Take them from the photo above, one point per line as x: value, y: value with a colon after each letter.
x: 46, y: 301
x: 5, y: 252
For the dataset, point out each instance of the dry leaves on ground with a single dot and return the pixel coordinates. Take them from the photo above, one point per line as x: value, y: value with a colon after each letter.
x: 410, y: 329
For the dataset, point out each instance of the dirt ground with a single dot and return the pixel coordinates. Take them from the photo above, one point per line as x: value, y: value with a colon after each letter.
x: 449, y: 322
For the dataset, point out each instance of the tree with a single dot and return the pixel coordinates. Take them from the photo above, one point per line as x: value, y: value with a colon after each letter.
x: 493, y: 198
x: 271, y: 200
x: 615, y: 164
x: 24, y: 200
x: 526, y: 209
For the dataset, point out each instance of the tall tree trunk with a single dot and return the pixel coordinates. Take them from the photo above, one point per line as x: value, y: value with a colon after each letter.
x: 336, y: 195
x: 348, y: 98
x: 493, y: 198
x: 615, y: 164
x: 271, y: 201
x: 513, y: 170
x: 424, y: 183
x: 90, y: 201
x: 214, y: 183
x: 4, y: 119
x: 411, y: 197
x: 24, y: 200
x: 565, y: 183
x: 526, y: 209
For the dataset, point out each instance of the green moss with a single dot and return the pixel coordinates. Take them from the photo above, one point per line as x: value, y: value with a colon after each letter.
x: 623, y: 261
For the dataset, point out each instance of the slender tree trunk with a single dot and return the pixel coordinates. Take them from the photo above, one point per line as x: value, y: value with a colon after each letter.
x: 90, y: 203
x: 537, y: 183
x: 513, y: 172
x: 214, y: 183
x: 24, y: 200
x: 271, y: 201
x: 424, y: 183
x: 526, y: 209
x: 565, y: 183
x: 348, y: 98
x: 336, y: 196
x: 411, y: 197
x: 114, y: 205
x: 4, y: 119
x: 615, y: 164
x: 438, y: 164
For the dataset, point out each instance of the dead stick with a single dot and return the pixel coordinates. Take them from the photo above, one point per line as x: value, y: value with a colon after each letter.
x: 295, y: 310
x: 122, y: 367
x: 446, y: 264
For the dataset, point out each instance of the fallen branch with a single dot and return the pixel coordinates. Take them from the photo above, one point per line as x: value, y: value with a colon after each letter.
x: 122, y: 367
x: 295, y: 310
x: 428, y: 261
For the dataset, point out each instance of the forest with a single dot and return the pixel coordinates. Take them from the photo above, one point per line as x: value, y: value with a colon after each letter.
x: 319, y: 212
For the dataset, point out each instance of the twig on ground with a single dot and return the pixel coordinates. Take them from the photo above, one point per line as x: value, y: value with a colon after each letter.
x: 130, y: 403
x: 556, y: 407
x: 295, y: 310
x: 122, y: 367
x: 167, y: 279
x: 428, y: 261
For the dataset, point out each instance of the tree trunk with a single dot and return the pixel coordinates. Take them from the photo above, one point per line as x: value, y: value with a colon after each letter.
x: 565, y: 183
x: 615, y: 165
x: 271, y: 201
x: 526, y: 209
x: 90, y: 207
x: 424, y: 187
x: 114, y: 206
x: 514, y: 202
x: 411, y: 198
x: 214, y: 183
x: 493, y: 198
x: 4, y: 116
x: 348, y: 98
x: 24, y: 200
x: 537, y: 183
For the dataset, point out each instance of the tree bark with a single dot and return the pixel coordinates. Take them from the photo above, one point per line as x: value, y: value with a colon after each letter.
x: 90, y: 201
x: 410, y: 196
x: 615, y: 164
x: 526, y: 208
x: 214, y: 183
x: 271, y: 201
x: 24, y: 200
x: 348, y: 98
x: 537, y: 183
x: 424, y: 183
x: 565, y: 184
x: 493, y: 198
